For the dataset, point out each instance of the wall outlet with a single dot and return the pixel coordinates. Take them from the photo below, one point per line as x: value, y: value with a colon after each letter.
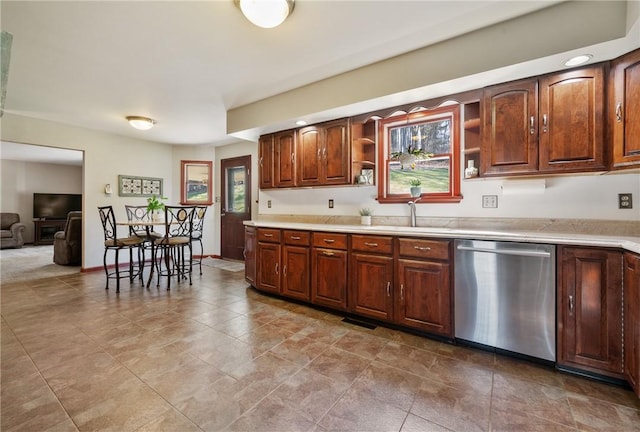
x: 330, y: 203
x: 268, y: 203
x: 489, y: 201
x: 625, y: 201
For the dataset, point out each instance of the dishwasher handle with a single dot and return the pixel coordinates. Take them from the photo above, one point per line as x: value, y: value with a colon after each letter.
x: 528, y: 253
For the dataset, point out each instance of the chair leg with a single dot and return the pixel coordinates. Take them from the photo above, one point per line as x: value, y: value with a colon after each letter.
x: 191, y: 261
x: 106, y: 269
x: 117, y: 270
x: 201, y: 253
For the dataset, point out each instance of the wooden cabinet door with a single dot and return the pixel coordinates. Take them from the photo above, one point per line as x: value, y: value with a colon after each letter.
x: 624, y: 109
x: 632, y: 320
x: 309, y: 156
x: 370, y: 288
x: 268, y: 267
x: 336, y: 153
x: 509, y: 142
x: 265, y: 161
x: 250, y: 244
x: 424, y: 296
x: 590, y: 310
x: 284, y: 154
x: 329, y: 278
x: 572, y: 110
x: 295, y: 272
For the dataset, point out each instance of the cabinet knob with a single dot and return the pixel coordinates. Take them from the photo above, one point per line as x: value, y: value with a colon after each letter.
x: 388, y: 289
x: 277, y: 268
x: 544, y: 123
x: 619, y: 111
x: 402, y: 293
x: 571, y: 304
x: 532, y: 121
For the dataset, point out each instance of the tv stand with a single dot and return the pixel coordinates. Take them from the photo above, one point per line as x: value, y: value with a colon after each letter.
x: 46, y: 229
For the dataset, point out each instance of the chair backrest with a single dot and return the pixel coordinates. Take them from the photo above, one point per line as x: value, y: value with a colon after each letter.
x: 74, y: 220
x: 198, y: 222
x: 178, y: 220
x: 136, y: 214
x: 8, y: 219
x: 108, y: 219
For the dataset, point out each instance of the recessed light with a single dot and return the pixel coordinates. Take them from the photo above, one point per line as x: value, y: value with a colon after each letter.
x: 301, y: 122
x: 578, y: 60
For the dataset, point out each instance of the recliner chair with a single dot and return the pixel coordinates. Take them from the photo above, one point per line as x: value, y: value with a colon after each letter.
x: 67, y: 244
x: 11, y: 231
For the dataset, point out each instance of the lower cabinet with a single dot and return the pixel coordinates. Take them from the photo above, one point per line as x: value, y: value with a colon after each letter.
x: 590, y: 309
x: 632, y: 320
x: 329, y: 270
x: 268, y: 260
x: 295, y: 264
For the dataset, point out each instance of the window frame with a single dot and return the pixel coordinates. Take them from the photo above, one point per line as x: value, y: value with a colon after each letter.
x: 186, y: 177
x: 447, y: 111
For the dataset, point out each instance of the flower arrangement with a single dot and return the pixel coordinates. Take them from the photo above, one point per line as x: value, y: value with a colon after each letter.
x: 155, y: 203
x: 415, y: 182
x: 365, y: 212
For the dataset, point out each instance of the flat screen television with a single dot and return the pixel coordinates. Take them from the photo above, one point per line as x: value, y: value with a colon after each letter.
x: 55, y: 206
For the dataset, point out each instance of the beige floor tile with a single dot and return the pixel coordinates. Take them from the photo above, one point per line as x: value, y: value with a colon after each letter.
x: 339, y: 365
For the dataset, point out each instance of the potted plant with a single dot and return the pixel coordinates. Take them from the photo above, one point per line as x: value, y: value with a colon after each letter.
x: 416, y: 190
x: 365, y: 216
x: 155, y: 206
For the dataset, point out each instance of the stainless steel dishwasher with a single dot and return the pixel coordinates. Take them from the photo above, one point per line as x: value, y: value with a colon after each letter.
x: 505, y: 296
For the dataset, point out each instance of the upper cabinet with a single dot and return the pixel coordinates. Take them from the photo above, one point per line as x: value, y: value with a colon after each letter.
x: 265, y: 161
x: 553, y: 124
x: 284, y: 164
x: 624, y: 110
x: 323, y: 154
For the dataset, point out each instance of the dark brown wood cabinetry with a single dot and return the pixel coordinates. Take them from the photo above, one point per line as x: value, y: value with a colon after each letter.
x: 424, y: 299
x: 589, y: 310
x: 323, y: 154
x: 284, y: 154
x: 265, y: 161
x: 268, y: 260
x: 329, y: 270
x: 295, y: 264
x: 250, y: 244
x: 624, y: 110
x: 553, y: 124
x: 632, y: 320
x: 371, y: 276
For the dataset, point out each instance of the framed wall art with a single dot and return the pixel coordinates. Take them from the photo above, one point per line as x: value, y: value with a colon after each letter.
x: 134, y: 186
x: 195, y: 178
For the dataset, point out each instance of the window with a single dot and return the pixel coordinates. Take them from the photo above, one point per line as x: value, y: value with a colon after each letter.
x: 422, y: 146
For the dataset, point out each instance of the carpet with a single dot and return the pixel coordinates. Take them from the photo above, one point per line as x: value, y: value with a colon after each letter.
x: 30, y: 263
x: 222, y: 264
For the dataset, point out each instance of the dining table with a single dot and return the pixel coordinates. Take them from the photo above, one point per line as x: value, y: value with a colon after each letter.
x: 148, y: 225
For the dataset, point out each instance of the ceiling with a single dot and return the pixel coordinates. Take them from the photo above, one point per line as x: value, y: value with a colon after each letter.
x: 186, y: 63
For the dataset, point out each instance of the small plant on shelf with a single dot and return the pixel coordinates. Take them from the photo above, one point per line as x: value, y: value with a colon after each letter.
x: 365, y: 216
x: 366, y: 212
x: 415, y: 182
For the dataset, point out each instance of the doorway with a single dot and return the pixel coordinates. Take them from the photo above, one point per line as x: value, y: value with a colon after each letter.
x: 235, y: 184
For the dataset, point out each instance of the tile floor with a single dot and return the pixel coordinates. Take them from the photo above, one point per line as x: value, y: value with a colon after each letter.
x: 219, y: 356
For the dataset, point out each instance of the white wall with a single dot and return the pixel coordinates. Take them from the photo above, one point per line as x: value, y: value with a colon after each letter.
x: 20, y: 180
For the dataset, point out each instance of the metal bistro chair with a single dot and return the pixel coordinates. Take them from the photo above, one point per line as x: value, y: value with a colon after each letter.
x: 148, y: 234
x: 178, y: 223
x: 112, y: 242
x: 196, y: 235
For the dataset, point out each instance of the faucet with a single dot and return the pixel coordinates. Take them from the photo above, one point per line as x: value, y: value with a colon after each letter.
x: 412, y: 207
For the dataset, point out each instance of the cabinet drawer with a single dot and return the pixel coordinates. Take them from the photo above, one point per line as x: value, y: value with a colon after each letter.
x: 367, y: 243
x: 330, y: 240
x: 419, y: 248
x: 269, y: 235
x: 300, y: 238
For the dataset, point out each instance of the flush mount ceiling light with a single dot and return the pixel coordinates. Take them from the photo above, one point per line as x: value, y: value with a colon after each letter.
x: 142, y: 123
x: 578, y: 60
x: 301, y: 123
x: 266, y: 13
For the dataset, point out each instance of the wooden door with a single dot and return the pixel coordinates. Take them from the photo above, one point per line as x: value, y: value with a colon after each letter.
x: 624, y: 109
x: 284, y: 145
x: 309, y: 156
x: 329, y: 278
x: 509, y: 132
x: 250, y: 243
x: 336, y: 153
x: 572, y: 112
x: 424, y: 296
x: 370, y: 288
x: 268, y: 255
x: 295, y: 272
x: 632, y: 320
x: 265, y: 161
x: 590, y: 310
x: 235, y: 186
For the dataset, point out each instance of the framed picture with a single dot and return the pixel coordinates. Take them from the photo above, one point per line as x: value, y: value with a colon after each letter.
x: 195, y: 178
x: 139, y: 186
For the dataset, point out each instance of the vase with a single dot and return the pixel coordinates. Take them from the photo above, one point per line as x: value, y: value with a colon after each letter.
x: 365, y: 220
x: 156, y: 216
x: 416, y: 191
x: 471, y: 171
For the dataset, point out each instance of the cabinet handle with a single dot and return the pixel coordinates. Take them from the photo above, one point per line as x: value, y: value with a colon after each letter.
x: 371, y: 244
x: 293, y: 157
x: 532, y: 122
x: 244, y: 253
x: 327, y: 253
x: 324, y: 152
x: 544, y: 123
x: 261, y: 160
x: 422, y: 248
x: 328, y: 240
x: 402, y: 293
x: 268, y: 235
x: 277, y: 268
x: 388, y: 289
x: 571, y: 304
x: 295, y: 237
x: 319, y: 153
x: 284, y: 271
x: 619, y: 111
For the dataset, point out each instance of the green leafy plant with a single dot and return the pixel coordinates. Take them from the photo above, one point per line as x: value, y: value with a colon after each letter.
x: 155, y: 203
x: 415, y: 182
x: 365, y: 212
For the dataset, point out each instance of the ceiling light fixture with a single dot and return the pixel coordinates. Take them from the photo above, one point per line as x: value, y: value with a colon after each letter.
x: 142, y: 123
x: 578, y: 60
x: 301, y: 123
x: 266, y: 13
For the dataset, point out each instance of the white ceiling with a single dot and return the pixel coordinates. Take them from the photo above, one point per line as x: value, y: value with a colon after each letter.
x: 185, y: 63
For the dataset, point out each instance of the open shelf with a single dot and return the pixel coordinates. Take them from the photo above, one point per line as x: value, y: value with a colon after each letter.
x: 472, y: 124
x: 472, y: 150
